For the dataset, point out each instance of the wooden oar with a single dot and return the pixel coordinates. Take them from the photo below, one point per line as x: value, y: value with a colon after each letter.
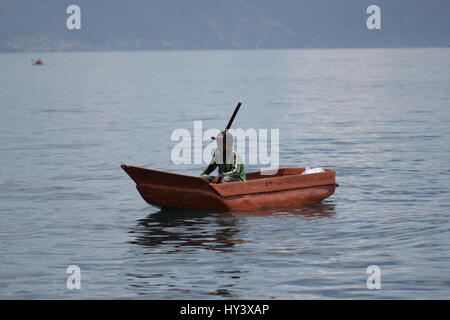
x: 233, y: 116
x: 231, y: 119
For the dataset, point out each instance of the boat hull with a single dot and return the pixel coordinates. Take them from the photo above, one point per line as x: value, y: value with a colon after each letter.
x: 287, y: 189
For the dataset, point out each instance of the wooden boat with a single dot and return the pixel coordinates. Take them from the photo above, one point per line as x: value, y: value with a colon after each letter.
x: 38, y: 62
x: 287, y: 188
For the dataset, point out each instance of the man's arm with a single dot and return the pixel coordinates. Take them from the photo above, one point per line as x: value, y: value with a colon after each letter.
x: 212, y: 166
x: 235, y: 165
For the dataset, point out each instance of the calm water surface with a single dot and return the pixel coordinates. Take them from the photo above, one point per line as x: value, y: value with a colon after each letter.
x: 380, y: 118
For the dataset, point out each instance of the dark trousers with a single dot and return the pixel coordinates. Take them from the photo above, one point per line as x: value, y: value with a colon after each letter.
x: 225, y: 179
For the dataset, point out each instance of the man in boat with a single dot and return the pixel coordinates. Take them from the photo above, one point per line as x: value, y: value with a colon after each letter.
x: 231, y: 167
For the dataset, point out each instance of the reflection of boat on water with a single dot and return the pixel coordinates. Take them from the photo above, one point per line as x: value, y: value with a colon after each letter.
x: 313, y: 210
x: 177, y: 229
x: 180, y: 230
x: 287, y: 188
x: 172, y: 243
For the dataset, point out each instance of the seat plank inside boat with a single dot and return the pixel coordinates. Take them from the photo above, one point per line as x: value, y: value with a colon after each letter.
x: 281, y: 172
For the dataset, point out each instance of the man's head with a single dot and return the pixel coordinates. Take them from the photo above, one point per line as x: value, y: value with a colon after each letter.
x: 224, y: 141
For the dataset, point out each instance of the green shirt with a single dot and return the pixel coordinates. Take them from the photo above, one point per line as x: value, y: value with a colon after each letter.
x: 235, y: 168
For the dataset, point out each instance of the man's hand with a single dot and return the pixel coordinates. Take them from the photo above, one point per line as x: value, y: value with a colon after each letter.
x: 216, y: 179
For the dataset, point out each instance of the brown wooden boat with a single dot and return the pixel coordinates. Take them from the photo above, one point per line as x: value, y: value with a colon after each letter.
x: 287, y: 188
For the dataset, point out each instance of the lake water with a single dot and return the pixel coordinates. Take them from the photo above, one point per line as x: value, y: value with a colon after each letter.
x: 380, y: 118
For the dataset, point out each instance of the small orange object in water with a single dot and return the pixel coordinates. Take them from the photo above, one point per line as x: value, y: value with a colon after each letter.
x: 38, y: 62
x: 286, y: 189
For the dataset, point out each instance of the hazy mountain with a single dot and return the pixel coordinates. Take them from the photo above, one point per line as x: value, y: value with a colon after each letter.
x: 40, y: 25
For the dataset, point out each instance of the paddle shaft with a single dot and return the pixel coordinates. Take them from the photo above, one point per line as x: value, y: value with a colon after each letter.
x: 233, y: 116
x: 231, y: 119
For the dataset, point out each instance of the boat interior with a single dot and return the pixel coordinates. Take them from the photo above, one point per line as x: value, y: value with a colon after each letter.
x: 281, y: 172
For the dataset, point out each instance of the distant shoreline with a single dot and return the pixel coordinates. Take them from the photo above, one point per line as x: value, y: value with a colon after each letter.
x: 224, y: 49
